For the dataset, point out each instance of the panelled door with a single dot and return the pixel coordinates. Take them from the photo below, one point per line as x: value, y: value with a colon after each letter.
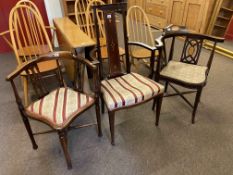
x: 194, y: 14
x: 176, y: 12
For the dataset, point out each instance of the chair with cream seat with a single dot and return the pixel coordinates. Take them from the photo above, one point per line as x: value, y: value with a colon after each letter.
x: 187, y: 70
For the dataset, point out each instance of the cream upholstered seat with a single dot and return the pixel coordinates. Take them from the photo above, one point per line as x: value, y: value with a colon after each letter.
x: 128, y: 90
x: 59, y: 107
x: 186, y: 73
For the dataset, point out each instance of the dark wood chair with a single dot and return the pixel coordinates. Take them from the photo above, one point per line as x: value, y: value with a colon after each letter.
x: 122, y: 90
x: 59, y: 107
x: 185, y: 70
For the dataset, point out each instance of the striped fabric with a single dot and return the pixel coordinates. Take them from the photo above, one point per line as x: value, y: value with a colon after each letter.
x: 128, y: 90
x: 59, y: 107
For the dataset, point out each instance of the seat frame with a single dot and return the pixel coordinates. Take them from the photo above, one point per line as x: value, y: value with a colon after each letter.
x: 114, y: 65
x: 191, y: 40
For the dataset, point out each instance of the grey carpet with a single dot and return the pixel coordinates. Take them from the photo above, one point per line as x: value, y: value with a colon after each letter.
x: 176, y: 147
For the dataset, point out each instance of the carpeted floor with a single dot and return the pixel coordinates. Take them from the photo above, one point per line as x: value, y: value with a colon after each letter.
x: 176, y: 147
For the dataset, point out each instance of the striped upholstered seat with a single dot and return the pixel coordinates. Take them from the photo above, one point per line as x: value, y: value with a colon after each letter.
x: 59, y: 107
x: 128, y: 90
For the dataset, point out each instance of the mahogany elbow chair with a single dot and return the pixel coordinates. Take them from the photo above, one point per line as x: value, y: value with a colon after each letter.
x: 121, y: 90
x: 185, y: 70
x: 57, y: 108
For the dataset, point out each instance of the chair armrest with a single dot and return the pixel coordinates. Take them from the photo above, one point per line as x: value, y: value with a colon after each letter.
x: 142, y: 45
x: 4, y: 33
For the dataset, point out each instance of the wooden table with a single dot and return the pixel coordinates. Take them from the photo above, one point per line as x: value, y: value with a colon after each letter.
x: 71, y: 37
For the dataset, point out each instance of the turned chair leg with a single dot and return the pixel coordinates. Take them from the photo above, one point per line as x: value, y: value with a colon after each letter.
x: 98, y: 118
x: 197, y: 100
x: 158, y: 108
x: 63, y: 140
x: 111, y: 116
x: 29, y: 130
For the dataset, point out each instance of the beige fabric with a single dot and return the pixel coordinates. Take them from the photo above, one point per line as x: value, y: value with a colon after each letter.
x: 59, y: 106
x: 128, y: 90
x: 187, y: 73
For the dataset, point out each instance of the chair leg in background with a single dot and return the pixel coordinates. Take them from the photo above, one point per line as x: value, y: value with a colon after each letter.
x: 98, y: 118
x: 158, y: 108
x: 25, y: 90
x: 29, y: 130
x: 197, y: 100
x: 111, y: 116
x: 102, y: 104
x: 166, y: 86
x: 63, y: 140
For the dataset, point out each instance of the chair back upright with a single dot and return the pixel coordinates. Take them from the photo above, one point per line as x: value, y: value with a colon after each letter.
x: 111, y: 32
x: 28, y: 33
x: 90, y: 20
x: 80, y: 8
x: 138, y: 27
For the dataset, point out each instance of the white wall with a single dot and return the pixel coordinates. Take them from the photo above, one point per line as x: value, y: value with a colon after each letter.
x: 53, y: 8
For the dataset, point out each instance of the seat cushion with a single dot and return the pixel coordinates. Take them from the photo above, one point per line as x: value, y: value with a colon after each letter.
x: 59, y: 107
x: 186, y: 73
x: 128, y: 90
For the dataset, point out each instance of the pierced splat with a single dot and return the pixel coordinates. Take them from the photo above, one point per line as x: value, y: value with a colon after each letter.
x: 191, y: 50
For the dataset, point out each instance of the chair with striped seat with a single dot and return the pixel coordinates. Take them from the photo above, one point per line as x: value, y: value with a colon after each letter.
x: 57, y: 108
x: 122, y: 90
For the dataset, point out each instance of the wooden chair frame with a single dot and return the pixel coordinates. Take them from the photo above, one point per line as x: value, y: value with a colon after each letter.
x: 32, y: 70
x: 114, y: 58
x: 139, y: 30
x: 29, y: 37
x: 192, y: 41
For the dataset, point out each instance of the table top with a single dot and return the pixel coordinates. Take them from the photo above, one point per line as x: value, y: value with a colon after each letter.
x: 73, y: 35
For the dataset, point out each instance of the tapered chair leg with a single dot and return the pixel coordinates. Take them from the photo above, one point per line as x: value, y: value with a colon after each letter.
x: 166, y: 86
x: 111, y: 116
x: 98, y: 118
x: 102, y: 104
x: 197, y: 100
x: 63, y: 140
x: 158, y: 108
x: 154, y: 102
x: 29, y: 130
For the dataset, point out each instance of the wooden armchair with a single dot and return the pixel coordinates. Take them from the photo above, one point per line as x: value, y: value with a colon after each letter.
x: 139, y: 30
x: 186, y: 70
x: 29, y: 38
x: 57, y: 108
x: 122, y: 90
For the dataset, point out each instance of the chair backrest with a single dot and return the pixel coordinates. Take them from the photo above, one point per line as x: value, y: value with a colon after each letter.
x: 90, y: 20
x: 30, y: 4
x: 80, y: 8
x: 40, y: 87
x: 111, y: 32
x: 191, y: 44
x: 138, y: 26
x: 28, y: 34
